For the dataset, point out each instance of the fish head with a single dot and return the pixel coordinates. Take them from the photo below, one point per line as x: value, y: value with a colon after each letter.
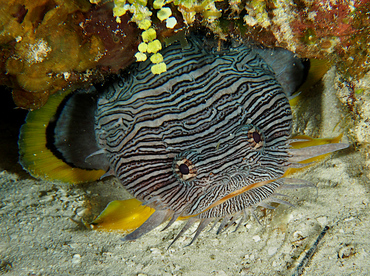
x: 187, y: 154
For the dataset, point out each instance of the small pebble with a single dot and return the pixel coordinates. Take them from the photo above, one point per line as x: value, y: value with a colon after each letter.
x: 346, y: 252
x: 76, y: 258
x: 256, y: 238
x: 323, y: 221
x: 272, y: 250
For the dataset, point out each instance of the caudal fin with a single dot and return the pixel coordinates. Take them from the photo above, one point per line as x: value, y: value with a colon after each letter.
x: 56, y: 139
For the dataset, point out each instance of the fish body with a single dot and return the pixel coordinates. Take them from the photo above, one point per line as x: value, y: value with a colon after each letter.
x: 206, y: 140
x: 212, y: 125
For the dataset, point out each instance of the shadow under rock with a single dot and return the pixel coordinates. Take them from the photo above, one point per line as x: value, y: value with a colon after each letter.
x: 11, y: 120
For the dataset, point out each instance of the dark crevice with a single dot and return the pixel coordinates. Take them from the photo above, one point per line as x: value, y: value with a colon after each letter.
x: 12, y: 119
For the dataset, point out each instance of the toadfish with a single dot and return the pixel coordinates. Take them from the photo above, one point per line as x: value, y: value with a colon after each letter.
x: 209, y: 139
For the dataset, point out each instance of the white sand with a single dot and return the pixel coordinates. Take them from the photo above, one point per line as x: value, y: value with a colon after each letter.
x: 38, y: 237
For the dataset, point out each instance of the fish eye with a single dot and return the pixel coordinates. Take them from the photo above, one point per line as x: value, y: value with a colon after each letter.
x: 183, y: 167
x: 255, y: 138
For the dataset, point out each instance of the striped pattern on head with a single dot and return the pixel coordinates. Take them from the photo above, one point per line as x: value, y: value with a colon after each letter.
x: 214, y: 123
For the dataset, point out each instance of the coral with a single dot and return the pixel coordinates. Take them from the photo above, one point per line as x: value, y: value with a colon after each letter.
x: 51, y: 45
x: 355, y: 53
x: 54, y: 45
x: 355, y: 95
x: 41, y: 47
x: 257, y: 14
x: 141, y: 15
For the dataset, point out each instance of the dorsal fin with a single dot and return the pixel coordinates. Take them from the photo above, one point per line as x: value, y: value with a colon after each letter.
x: 290, y: 70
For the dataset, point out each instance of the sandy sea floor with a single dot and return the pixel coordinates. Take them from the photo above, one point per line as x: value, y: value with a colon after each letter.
x: 326, y: 233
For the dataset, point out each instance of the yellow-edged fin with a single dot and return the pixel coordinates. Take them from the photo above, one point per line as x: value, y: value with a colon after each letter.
x: 122, y: 215
x: 37, y: 159
x: 295, y: 99
x: 318, y: 68
x: 309, y: 142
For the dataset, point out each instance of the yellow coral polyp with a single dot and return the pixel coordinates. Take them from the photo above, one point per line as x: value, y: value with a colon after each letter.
x: 158, y: 4
x: 142, y: 16
x: 149, y: 35
x: 119, y: 11
x: 190, y: 8
x: 142, y: 47
x: 171, y: 22
x: 140, y: 56
x: 154, y: 46
x: 144, y: 24
x: 164, y: 13
x: 156, y: 58
x: 139, y: 12
x: 138, y: 17
x: 159, y: 68
x: 140, y: 2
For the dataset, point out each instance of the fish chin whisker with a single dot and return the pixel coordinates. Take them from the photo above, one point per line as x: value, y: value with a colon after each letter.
x: 203, y: 223
x: 300, y: 183
x: 243, y: 215
x: 265, y: 205
x: 243, y: 218
x: 296, y: 140
x: 224, y: 223
x: 255, y: 216
x: 278, y: 194
x: 187, y: 225
x: 298, y: 155
x: 229, y: 220
x: 294, y: 183
x: 172, y: 220
x: 298, y: 165
x: 279, y: 201
x: 232, y: 221
x: 214, y: 224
